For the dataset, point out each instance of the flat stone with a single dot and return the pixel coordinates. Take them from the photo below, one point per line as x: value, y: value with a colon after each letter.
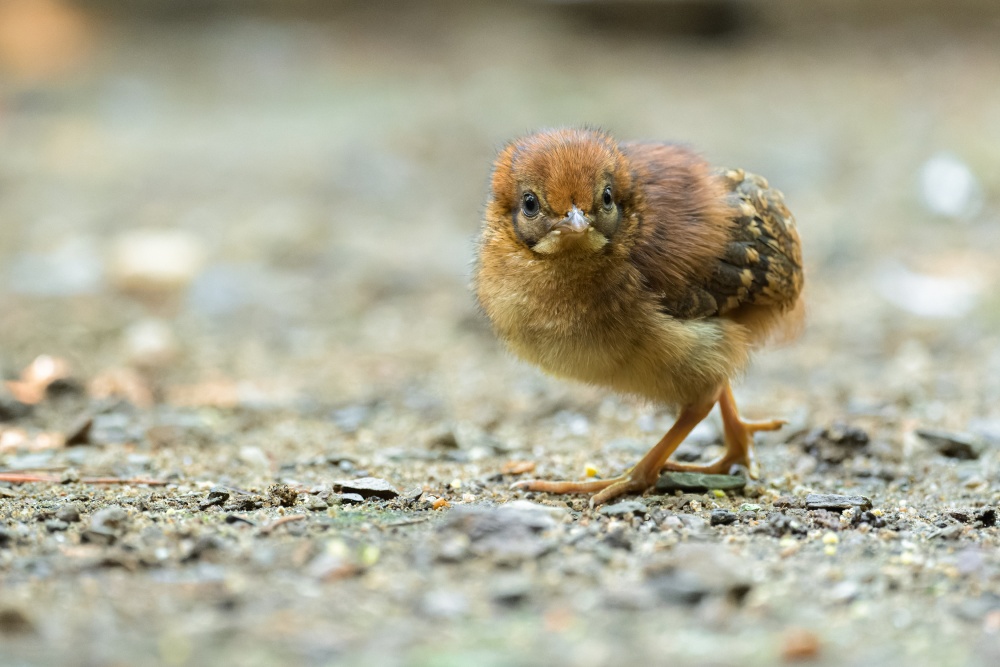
x: 624, y: 508
x: 963, y: 446
x: 695, y: 482
x: 836, y: 503
x: 367, y: 487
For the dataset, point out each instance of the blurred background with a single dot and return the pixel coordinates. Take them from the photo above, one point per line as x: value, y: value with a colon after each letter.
x: 227, y: 202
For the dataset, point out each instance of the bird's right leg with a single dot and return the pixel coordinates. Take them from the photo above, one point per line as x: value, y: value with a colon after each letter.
x: 739, y: 440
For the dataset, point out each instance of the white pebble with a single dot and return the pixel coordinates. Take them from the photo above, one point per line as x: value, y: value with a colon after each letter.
x: 948, y: 187
x: 155, y: 260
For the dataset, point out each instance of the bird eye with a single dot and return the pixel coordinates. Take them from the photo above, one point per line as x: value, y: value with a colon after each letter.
x: 608, y: 201
x: 529, y: 204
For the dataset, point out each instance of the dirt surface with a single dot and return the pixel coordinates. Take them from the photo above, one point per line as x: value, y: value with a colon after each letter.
x: 315, y: 183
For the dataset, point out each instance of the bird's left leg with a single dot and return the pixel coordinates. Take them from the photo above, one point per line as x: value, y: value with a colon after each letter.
x: 738, y: 437
x: 642, y: 476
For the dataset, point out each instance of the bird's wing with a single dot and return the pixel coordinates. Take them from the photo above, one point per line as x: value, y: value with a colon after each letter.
x: 761, y: 261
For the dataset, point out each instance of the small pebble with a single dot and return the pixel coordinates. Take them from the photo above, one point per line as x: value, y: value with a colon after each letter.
x: 13, y: 622
x: 283, y: 494
x: 216, y: 496
x: 147, y: 260
x: 69, y: 513
x: 316, y: 504
x: 345, y: 499
x: 722, y: 518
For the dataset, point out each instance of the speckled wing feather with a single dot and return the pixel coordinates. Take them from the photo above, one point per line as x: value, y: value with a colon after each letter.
x: 761, y: 265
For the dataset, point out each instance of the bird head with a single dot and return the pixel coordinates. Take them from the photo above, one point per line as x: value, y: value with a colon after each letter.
x: 563, y: 192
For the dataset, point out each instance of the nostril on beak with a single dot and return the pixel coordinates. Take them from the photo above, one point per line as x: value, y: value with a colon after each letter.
x: 575, y: 221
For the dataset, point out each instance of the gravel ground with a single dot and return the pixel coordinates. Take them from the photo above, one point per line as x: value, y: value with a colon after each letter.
x: 292, y: 440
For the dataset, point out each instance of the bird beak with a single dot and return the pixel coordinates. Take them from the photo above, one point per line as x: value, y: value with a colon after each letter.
x: 575, y: 222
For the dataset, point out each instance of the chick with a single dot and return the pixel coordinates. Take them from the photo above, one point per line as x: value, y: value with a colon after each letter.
x: 640, y: 268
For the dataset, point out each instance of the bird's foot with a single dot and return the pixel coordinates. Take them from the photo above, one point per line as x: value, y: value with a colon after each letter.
x: 640, y: 477
x: 603, y: 489
x: 721, y: 466
x: 739, y: 450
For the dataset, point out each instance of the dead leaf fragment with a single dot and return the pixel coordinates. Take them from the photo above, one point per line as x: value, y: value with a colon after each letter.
x: 38, y: 375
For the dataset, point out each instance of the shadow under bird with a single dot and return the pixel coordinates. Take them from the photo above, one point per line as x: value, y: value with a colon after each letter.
x: 640, y: 268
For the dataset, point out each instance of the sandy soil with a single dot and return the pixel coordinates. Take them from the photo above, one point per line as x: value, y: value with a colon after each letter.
x: 318, y: 181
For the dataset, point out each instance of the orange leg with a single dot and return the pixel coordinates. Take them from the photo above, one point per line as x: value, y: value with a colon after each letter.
x: 640, y: 477
x: 739, y: 440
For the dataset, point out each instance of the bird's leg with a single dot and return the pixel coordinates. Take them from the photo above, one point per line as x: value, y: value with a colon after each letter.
x: 642, y: 476
x: 739, y: 440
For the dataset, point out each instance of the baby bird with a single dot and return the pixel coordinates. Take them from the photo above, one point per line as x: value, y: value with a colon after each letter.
x: 640, y: 268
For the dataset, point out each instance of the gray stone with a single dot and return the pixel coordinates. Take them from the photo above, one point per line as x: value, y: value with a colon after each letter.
x: 367, y: 487
x: 217, y: 495
x: 963, y: 446
x: 511, y: 589
x: 722, y: 518
x: 112, y: 516
x: 836, y: 503
x: 316, y: 504
x: 625, y: 508
x: 528, y: 506
x: 55, y: 525
x: 975, y: 609
x: 351, y: 417
x: 79, y: 431
x: 11, y: 408
x: 507, y: 535
x: 951, y: 532
x: 694, y: 482
x: 345, y: 499
x: 70, y: 513
x: 445, y: 604
x: 106, y: 526
x: 693, y: 572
